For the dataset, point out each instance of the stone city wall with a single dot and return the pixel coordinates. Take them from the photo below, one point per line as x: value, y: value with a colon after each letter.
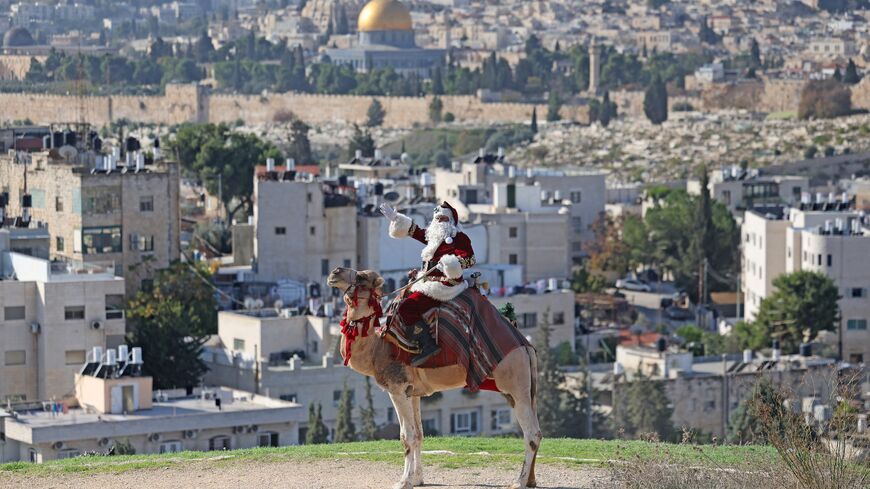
x: 191, y: 103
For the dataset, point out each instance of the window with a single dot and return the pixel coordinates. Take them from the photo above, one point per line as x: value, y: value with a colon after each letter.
x: 13, y: 313
x: 577, y: 224
x: 528, y: 320
x: 100, y: 201
x: 324, y: 267
x: 336, y: 397
x: 501, y: 419
x: 146, y: 203
x: 851, y: 325
x: 309, y: 197
x: 346, y: 263
x: 858, y: 293
x: 141, y: 243
x: 280, y: 231
x: 576, y: 197
x: 58, y: 204
x: 312, y: 230
x: 288, y: 397
x: 16, y: 357
x: 267, y: 440
x: 430, y: 427
x: 221, y: 442
x: 58, y: 243
x: 238, y: 344
x: 100, y: 240
x: 71, y: 453
x: 856, y: 358
x: 558, y: 318
x: 464, y: 422
x: 74, y: 313
x: 170, y: 446
x: 512, y: 259
x: 313, y: 347
x: 830, y: 259
x: 74, y: 357
x: 726, y: 197
x: 114, y: 306
x: 512, y: 232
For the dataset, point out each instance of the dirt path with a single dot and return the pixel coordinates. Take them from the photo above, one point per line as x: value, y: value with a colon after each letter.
x: 338, y: 474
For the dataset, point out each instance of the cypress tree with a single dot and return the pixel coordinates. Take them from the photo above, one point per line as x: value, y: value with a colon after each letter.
x: 317, y: 432
x: 560, y: 412
x: 345, y: 431
x: 655, y: 101
x: 437, y: 86
x: 837, y: 75
x: 851, y: 76
x: 554, y: 104
x: 755, y: 54
x: 534, y: 120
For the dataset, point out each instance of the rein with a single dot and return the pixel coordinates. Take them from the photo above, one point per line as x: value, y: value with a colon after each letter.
x: 359, y: 327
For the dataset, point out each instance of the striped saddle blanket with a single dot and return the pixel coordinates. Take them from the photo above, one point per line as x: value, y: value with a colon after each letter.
x: 470, y: 331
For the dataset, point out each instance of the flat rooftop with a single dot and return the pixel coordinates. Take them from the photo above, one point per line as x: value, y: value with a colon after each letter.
x: 190, y: 406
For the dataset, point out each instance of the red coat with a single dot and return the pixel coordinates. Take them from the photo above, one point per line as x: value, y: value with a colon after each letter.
x: 461, y: 247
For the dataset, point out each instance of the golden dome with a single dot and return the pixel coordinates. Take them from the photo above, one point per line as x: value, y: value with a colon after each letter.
x: 384, y: 15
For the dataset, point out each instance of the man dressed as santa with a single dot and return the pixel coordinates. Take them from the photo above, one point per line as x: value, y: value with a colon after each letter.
x: 446, y: 253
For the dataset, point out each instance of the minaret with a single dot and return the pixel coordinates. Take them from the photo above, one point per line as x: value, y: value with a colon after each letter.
x: 594, y: 67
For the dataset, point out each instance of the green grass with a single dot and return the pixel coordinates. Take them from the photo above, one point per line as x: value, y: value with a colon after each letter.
x: 464, y: 453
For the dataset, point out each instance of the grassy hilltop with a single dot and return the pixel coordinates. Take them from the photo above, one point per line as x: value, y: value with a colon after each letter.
x: 443, y: 452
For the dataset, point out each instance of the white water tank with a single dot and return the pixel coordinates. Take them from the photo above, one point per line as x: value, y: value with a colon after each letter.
x: 137, y: 356
x: 123, y: 353
x: 97, y: 353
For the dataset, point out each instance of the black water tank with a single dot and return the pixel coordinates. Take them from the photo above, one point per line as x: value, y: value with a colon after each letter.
x: 806, y: 350
x: 4, y: 199
x: 342, y: 181
x: 57, y: 139
x: 661, y: 344
x: 379, y: 188
x: 132, y: 144
x: 98, y: 144
x: 775, y: 345
x: 70, y: 138
x: 27, y: 201
x: 157, y: 142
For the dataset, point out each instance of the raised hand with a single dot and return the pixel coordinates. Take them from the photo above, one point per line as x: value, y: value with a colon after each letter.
x: 388, y: 211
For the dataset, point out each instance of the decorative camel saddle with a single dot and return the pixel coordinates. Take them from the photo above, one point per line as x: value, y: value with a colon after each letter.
x: 470, y: 331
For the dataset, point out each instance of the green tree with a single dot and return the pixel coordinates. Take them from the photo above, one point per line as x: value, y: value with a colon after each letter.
x: 300, y: 145
x: 803, y: 304
x: 375, y: 114
x: 317, y: 432
x: 436, y: 107
x: 655, y: 101
x: 851, y: 77
x: 703, y: 233
x: 171, y: 322
x: 707, y: 35
x: 203, y: 49
x: 436, y: 87
x: 560, y: 412
x: 368, y: 427
x: 747, y: 423
x: 554, y: 105
x: 534, y: 125
x: 345, y: 431
x: 643, y: 408
x: 362, y: 141
x: 755, y: 54
x: 837, y: 74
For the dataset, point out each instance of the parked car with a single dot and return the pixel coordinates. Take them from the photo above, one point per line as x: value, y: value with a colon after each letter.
x: 678, y: 313
x: 633, y: 284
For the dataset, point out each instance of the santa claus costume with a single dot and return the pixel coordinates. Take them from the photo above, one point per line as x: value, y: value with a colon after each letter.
x: 446, y: 254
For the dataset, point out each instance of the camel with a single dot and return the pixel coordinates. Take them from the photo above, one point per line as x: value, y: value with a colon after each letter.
x: 515, y: 376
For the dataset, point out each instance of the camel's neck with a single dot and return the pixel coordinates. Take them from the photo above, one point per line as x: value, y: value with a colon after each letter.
x: 362, y: 352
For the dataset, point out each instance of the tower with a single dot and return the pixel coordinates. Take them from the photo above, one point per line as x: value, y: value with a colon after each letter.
x: 594, y: 67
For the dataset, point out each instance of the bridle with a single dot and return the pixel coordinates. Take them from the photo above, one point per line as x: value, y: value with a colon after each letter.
x: 358, y: 327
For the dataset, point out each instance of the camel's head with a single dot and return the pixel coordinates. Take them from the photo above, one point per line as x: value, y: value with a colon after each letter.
x: 357, y: 288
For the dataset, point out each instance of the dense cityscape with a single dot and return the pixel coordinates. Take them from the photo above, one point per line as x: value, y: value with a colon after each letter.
x: 666, y: 199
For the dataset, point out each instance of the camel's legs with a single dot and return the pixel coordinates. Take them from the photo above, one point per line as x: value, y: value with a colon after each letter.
x: 409, y: 435
x: 516, y: 376
x: 417, y: 473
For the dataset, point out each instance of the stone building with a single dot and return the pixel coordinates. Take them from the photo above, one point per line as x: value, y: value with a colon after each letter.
x: 123, y: 217
x: 827, y: 236
x: 303, y: 227
x: 50, y: 315
x: 386, y: 40
x: 740, y: 189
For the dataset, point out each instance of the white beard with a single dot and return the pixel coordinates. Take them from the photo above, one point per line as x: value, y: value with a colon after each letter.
x: 436, y: 233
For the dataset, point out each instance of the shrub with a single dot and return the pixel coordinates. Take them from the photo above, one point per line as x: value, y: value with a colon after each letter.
x: 824, y: 99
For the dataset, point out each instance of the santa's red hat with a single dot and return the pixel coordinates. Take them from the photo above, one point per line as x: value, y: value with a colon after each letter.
x: 451, y: 211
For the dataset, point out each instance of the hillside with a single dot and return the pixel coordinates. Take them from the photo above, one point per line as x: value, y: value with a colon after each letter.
x: 453, y: 462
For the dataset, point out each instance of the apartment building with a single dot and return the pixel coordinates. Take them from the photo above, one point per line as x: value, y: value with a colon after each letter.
x: 474, y: 185
x: 827, y: 236
x: 95, y: 211
x: 116, y: 405
x: 740, y: 189
x: 51, y: 313
x: 303, y: 227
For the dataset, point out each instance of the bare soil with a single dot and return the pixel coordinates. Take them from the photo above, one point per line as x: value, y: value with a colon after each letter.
x: 321, y: 474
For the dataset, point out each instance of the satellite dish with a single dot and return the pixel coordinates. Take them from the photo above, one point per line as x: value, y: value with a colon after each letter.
x: 67, y: 152
x: 391, y: 196
x: 249, y: 303
x: 258, y: 304
x: 279, y: 304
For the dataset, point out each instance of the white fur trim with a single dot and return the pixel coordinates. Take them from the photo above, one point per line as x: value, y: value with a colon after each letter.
x: 439, y: 291
x: 451, y: 266
x: 400, y: 227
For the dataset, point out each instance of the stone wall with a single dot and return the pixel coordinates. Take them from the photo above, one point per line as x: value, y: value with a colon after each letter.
x: 191, y: 103
x: 16, y: 66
